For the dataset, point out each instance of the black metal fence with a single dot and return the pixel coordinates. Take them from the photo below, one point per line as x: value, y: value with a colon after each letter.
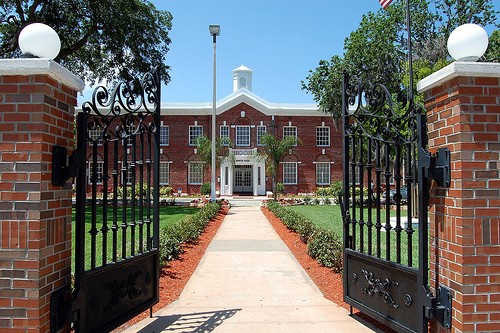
x: 117, y: 205
x: 385, y: 230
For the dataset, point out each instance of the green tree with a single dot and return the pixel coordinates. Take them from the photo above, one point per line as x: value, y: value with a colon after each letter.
x: 453, y: 13
x: 107, y: 39
x: 377, y: 49
x: 274, y: 151
x: 493, y: 52
x: 325, y: 83
x: 204, y: 150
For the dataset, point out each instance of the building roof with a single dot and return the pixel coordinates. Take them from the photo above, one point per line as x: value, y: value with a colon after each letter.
x: 242, y: 96
x: 242, y: 68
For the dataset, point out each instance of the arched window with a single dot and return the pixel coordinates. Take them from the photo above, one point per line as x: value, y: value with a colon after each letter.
x: 243, y: 82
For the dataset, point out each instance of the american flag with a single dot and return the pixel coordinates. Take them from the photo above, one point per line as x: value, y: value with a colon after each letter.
x: 385, y: 3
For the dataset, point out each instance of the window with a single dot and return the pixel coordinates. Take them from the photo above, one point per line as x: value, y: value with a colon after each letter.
x: 290, y: 131
x: 224, y: 134
x: 323, y: 136
x: 261, y: 130
x: 243, y: 136
x: 194, y: 132
x: 95, y: 135
x: 323, y: 173
x: 243, y: 82
x: 290, y: 173
x: 131, y: 134
x: 164, y: 135
x: 195, y: 173
x: 99, y: 172
x: 129, y: 179
x: 164, y: 173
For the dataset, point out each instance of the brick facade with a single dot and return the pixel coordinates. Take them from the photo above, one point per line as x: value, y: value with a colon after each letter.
x: 463, y: 104
x: 306, y: 153
x: 37, y: 100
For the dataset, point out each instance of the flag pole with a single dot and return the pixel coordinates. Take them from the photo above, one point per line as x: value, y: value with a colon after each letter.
x: 410, y: 57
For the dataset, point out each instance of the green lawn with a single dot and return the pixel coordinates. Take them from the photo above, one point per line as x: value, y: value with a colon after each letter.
x: 330, y: 217
x: 327, y: 217
x: 168, y: 215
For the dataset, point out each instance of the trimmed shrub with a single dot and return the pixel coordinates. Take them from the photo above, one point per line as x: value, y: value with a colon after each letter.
x: 205, y: 189
x: 280, y: 188
x: 186, y: 230
x: 323, y: 245
x: 326, y: 247
x: 166, y: 191
x: 336, y: 188
x: 323, y: 191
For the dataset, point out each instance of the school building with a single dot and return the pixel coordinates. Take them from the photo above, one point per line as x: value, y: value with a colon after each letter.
x: 244, y: 117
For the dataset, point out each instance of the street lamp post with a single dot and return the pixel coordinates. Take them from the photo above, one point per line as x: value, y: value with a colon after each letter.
x: 214, y: 32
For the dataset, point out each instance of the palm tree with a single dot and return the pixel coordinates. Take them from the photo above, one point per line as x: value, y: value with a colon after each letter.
x: 274, y: 151
x: 204, y: 150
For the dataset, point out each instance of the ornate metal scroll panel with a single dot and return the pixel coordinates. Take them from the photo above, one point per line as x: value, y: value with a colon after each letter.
x: 117, y: 187
x: 113, y: 298
x: 383, y: 290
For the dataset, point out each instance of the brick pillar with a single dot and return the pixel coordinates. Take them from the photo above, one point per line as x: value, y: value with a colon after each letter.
x: 37, y: 101
x: 463, y: 105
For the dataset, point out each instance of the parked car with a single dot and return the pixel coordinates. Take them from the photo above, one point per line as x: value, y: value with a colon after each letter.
x: 392, y: 195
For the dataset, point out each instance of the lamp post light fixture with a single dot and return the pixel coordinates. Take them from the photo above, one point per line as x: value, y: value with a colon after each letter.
x: 467, y: 42
x: 214, y: 32
x: 39, y: 40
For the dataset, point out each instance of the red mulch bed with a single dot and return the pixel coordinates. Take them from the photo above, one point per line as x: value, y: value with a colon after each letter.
x: 176, y: 274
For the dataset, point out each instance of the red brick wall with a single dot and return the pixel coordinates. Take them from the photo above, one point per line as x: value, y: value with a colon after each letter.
x: 36, y: 112
x: 464, y: 115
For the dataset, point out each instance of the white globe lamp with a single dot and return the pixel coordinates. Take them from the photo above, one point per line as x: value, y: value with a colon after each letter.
x: 39, y: 40
x: 467, y: 42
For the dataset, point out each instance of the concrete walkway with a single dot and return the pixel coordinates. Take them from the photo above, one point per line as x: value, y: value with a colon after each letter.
x: 249, y: 281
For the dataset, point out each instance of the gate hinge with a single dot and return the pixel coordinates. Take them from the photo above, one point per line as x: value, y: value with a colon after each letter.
x: 63, y: 167
x: 438, y: 166
x: 60, y: 309
x: 439, y: 308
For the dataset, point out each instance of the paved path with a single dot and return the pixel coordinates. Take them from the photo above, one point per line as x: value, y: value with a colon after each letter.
x: 249, y: 281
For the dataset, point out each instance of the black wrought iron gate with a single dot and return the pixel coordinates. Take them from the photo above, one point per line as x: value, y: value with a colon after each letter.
x: 384, y: 205
x: 117, y: 205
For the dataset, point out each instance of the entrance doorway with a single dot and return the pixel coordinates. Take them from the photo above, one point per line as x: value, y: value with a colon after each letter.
x: 243, y: 175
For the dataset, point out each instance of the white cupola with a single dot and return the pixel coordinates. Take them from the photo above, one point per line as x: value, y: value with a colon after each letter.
x: 242, y: 78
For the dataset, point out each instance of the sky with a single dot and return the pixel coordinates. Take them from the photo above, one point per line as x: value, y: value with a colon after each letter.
x: 280, y: 40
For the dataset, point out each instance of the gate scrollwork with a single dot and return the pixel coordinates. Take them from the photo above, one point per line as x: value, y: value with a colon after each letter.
x: 380, y: 288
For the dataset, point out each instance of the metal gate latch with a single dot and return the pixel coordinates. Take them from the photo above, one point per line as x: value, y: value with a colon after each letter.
x: 439, y: 308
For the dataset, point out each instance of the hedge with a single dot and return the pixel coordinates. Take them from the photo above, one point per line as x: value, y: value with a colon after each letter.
x: 323, y: 245
x: 186, y: 230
